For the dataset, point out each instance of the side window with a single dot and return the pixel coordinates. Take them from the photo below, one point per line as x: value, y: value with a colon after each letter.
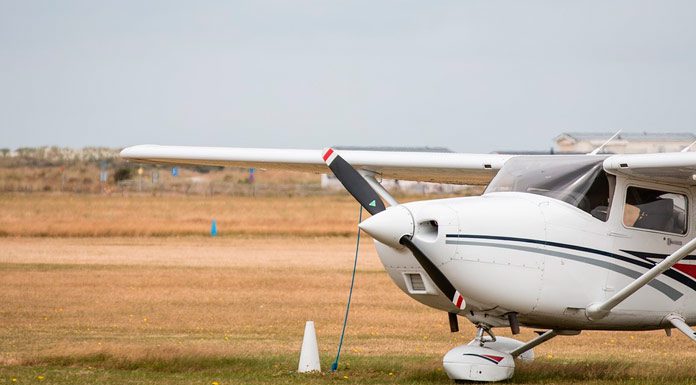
x: 655, y: 210
x: 599, y: 196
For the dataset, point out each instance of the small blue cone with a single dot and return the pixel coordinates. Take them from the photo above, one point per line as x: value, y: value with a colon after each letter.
x: 213, y: 228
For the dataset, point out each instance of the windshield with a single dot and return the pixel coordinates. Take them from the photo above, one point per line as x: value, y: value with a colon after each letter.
x: 577, y: 180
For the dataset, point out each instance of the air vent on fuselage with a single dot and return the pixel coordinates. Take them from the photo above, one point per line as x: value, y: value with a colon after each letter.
x: 427, y: 231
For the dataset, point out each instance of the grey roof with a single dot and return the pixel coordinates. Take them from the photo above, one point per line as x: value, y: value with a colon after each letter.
x: 632, y: 136
x: 395, y: 149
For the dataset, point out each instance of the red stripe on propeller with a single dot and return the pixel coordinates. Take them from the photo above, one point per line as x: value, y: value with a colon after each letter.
x: 327, y: 154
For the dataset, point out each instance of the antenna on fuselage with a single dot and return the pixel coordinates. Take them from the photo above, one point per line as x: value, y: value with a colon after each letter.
x: 598, y: 149
x: 687, y: 148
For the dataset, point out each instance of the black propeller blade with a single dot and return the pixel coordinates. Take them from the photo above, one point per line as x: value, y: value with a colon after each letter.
x: 356, y: 185
x: 434, y: 273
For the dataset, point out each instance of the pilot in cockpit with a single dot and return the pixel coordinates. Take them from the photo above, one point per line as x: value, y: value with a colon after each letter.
x: 655, y: 210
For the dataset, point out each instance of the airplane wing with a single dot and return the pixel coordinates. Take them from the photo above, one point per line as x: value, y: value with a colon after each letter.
x: 674, y: 168
x: 455, y: 168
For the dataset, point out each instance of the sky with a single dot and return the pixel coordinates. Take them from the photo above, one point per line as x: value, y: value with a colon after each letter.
x: 473, y: 76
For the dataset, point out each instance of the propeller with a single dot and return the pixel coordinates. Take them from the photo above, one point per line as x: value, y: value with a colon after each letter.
x: 368, y: 198
x: 356, y: 185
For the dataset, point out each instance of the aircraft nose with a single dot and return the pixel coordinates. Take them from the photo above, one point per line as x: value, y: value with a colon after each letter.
x: 390, y: 225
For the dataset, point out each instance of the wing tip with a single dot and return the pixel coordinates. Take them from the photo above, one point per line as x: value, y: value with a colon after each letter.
x: 138, y: 151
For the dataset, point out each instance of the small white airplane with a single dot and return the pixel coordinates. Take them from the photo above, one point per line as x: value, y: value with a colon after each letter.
x: 563, y: 243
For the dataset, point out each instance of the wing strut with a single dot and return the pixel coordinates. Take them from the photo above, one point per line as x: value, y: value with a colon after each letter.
x: 543, y: 337
x: 682, y: 326
x: 600, y: 310
x: 381, y: 191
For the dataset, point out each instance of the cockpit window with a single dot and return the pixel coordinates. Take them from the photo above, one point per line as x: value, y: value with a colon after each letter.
x: 577, y: 180
x: 655, y: 210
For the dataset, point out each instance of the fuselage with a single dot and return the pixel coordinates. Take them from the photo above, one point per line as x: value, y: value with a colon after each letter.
x: 545, y: 260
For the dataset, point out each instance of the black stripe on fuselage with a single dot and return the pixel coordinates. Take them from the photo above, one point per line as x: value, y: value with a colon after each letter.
x: 675, y: 275
x: 647, y: 256
x: 664, y: 288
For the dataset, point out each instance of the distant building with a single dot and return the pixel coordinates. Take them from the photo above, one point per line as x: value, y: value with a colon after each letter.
x: 329, y: 181
x: 624, y: 143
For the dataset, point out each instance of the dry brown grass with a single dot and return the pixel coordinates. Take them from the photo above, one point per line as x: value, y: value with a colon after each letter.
x: 84, y: 177
x: 63, y: 215
x: 203, y: 296
x: 200, y: 296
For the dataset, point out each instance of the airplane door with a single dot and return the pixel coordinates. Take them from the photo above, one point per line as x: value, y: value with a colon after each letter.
x: 649, y: 223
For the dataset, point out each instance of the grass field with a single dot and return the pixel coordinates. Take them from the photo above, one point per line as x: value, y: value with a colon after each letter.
x: 58, y: 215
x: 96, y: 305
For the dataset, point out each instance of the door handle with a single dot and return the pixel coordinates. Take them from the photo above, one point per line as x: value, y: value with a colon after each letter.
x: 670, y: 242
x: 618, y: 235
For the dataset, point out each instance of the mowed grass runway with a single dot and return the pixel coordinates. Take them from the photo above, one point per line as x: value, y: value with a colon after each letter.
x: 94, y: 306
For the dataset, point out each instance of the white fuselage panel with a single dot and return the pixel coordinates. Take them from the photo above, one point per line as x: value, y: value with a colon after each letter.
x: 540, y: 258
